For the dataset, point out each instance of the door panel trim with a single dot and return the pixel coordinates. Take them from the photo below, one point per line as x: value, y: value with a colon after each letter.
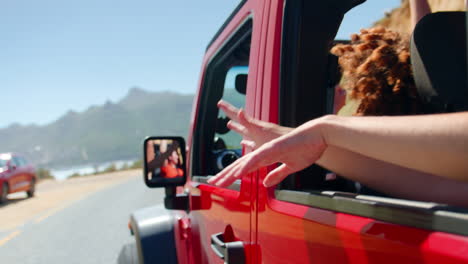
x: 426, y: 215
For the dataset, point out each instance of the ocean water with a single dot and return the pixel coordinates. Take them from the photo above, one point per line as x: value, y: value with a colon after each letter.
x: 64, y: 173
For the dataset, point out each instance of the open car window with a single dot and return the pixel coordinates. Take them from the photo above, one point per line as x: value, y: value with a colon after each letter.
x: 215, y: 146
x: 230, y: 139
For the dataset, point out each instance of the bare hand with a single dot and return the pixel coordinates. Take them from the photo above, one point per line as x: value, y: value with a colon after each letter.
x: 296, y: 150
x: 254, y: 132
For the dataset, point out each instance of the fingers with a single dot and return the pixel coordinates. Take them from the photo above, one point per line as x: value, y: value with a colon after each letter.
x: 227, y: 176
x: 255, y: 134
x: 243, y: 118
x: 277, y: 175
x: 248, y: 144
x: 231, y: 177
x: 234, y: 126
x: 246, y: 164
x: 230, y: 110
x: 235, y: 114
x: 239, y: 120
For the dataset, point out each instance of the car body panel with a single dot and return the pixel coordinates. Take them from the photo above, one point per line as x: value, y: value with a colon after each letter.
x: 324, y: 236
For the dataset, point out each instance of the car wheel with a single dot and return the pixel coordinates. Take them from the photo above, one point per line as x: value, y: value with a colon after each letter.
x: 32, y: 188
x: 3, y: 195
x: 128, y: 254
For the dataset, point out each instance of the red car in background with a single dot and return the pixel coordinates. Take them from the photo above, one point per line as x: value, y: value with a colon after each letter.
x: 16, y: 175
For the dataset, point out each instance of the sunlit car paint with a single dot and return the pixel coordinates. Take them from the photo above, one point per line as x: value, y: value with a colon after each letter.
x: 17, y: 175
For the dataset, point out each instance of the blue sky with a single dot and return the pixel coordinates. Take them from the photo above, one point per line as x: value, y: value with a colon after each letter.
x: 60, y: 55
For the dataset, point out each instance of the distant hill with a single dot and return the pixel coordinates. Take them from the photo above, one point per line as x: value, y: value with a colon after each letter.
x: 108, y: 132
x: 399, y: 18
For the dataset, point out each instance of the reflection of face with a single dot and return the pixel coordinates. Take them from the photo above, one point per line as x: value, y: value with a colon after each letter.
x: 174, y: 158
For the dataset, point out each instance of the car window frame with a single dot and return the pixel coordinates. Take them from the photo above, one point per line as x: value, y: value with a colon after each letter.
x: 215, y: 77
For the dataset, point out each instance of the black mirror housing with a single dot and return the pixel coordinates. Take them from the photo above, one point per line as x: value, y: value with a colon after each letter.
x: 241, y: 83
x: 164, y: 162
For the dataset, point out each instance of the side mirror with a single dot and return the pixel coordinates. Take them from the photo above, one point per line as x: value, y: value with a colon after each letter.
x: 164, y: 162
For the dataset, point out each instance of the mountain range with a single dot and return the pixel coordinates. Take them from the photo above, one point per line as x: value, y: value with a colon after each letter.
x: 113, y: 131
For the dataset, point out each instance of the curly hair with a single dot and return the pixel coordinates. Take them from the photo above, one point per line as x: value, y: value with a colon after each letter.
x: 377, y: 72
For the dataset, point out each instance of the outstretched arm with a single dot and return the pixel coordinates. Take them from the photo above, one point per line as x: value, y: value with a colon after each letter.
x: 394, y: 180
x: 435, y: 144
x: 381, y: 175
x: 418, y: 9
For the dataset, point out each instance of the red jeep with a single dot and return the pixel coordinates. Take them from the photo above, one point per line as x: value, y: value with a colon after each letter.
x: 272, y: 58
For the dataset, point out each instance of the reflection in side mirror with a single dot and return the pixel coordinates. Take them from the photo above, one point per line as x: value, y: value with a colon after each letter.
x: 164, y: 161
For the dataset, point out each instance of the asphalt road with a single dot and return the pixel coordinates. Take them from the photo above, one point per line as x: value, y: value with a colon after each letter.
x: 89, y: 230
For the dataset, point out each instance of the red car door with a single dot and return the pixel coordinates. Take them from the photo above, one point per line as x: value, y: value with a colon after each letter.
x: 223, y: 216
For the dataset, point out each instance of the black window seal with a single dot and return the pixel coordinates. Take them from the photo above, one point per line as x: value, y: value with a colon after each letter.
x: 425, y: 215
x: 221, y: 29
x: 308, y: 31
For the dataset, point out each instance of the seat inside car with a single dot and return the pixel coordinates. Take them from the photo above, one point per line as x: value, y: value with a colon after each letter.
x: 439, y: 61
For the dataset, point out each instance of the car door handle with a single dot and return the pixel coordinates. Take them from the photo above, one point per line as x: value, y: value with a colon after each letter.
x: 230, y: 252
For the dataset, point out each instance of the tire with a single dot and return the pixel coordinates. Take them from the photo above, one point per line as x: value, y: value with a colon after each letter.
x: 128, y: 255
x: 3, y: 195
x: 32, y: 188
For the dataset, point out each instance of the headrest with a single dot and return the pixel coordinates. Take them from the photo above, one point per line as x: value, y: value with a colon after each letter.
x: 438, y: 57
